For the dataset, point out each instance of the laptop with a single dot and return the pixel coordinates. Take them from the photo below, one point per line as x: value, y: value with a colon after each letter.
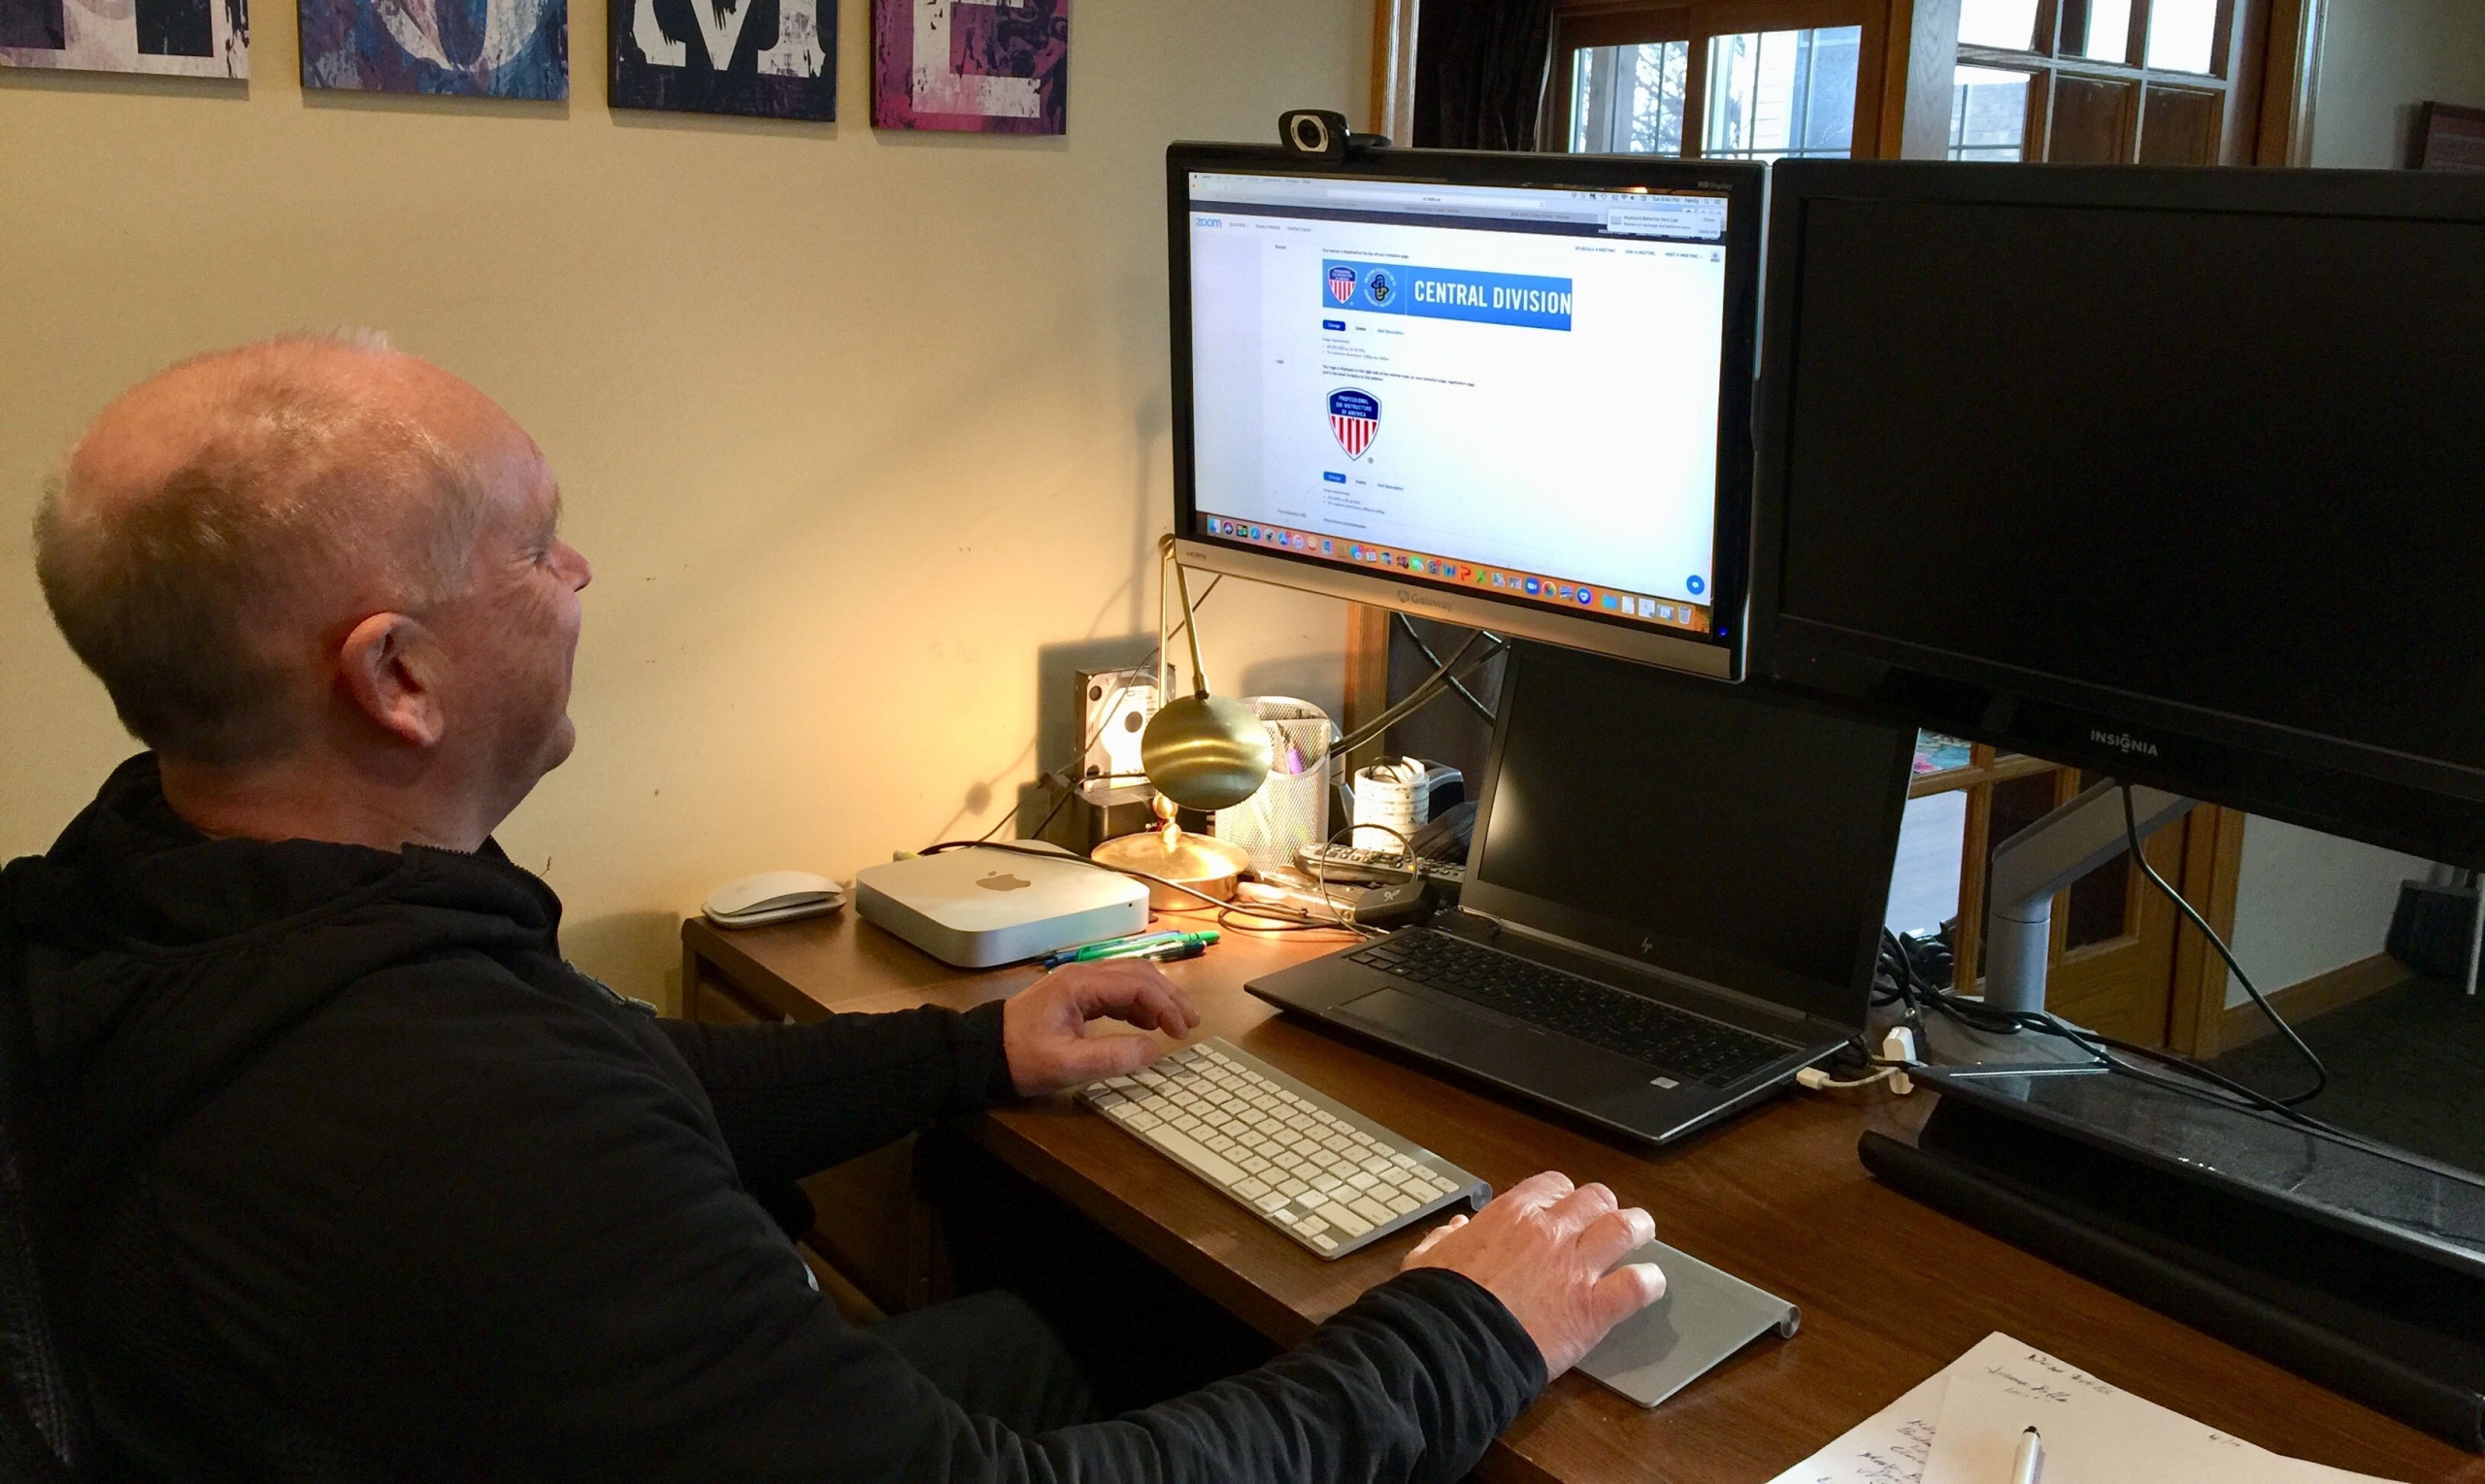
x: 1674, y: 898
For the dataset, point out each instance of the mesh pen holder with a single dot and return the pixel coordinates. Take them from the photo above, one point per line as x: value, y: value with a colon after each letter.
x: 1292, y: 808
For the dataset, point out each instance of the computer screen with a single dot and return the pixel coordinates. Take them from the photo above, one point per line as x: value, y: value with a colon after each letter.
x: 1729, y: 833
x: 1509, y: 394
x: 2175, y: 473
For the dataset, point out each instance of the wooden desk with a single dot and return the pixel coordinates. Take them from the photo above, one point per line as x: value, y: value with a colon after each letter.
x: 1891, y: 1291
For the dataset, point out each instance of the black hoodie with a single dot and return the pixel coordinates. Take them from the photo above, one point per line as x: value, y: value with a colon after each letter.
x: 363, y: 1182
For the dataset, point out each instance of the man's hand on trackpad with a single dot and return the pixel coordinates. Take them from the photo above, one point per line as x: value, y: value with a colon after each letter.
x: 1547, y: 1250
x: 1043, y: 1026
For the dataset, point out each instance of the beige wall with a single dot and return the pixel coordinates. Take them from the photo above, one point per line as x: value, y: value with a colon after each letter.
x: 2379, y: 59
x: 858, y: 427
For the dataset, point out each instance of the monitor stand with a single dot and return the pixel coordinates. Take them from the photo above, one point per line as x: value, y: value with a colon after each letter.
x: 2376, y: 1291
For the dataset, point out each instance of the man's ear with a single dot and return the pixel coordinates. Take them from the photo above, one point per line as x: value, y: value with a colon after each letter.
x: 389, y: 665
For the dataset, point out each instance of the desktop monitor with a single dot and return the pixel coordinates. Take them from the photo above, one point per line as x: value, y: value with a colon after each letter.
x: 2172, y: 473
x: 1511, y: 391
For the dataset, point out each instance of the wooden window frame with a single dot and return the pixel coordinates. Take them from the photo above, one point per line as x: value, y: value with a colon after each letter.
x: 2236, y: 62
x: 1585, y: 24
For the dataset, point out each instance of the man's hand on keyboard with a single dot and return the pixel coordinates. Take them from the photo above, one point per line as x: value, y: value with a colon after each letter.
x: 1547, y: 1250
x: 1043, y: 1026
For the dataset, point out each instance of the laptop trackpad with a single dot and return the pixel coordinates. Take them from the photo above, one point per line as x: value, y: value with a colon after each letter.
x: 1506, y: 1050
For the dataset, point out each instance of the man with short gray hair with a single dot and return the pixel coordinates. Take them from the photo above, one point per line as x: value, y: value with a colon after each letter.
x: 350, y: 1176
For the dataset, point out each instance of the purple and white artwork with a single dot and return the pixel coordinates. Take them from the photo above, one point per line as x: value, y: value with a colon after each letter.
x: 496, y: 49
x: 171, y: 38
x: 980, y: 66
x: 764, y: 58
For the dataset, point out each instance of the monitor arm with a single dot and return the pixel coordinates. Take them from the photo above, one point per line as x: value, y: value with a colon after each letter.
x: 2032, y: 866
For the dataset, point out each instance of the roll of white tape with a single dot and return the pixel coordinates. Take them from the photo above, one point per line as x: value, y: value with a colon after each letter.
x: 1391, y: 794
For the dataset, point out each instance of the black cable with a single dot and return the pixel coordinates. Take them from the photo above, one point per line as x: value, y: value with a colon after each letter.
x: 1407, y: 626
x: 1422, y: 695
x: 2130, y: 834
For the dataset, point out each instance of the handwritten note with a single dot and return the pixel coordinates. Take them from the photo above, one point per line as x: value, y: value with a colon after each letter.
x: 1961, y: 1426
x: 1888, y: 1447
x: 2094, y: 1432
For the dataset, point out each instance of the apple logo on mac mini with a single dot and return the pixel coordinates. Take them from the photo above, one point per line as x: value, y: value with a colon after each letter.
x: 997, y: 881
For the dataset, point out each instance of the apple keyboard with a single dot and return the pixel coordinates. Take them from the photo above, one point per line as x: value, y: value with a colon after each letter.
x: 1314, y: 1168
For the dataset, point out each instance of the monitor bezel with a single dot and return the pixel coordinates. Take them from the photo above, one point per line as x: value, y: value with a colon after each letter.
x: 1718, y: 653
x: 2424, y: 806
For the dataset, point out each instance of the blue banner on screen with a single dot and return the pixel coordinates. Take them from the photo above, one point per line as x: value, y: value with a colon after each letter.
x: 1449, y: 293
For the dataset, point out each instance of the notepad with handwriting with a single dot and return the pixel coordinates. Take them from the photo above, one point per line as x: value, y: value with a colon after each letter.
x: 1961, y: 1426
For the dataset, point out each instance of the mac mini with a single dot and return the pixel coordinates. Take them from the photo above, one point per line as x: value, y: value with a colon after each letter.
x: 979, y: 907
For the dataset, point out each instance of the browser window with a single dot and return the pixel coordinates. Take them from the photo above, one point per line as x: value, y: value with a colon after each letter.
x: 1509, y: 387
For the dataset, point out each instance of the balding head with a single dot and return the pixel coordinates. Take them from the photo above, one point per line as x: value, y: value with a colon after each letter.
x: 321, y: 579
x: 219, y: 520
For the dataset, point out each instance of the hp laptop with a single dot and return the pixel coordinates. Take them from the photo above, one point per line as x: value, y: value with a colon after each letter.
x: 1674, y: 898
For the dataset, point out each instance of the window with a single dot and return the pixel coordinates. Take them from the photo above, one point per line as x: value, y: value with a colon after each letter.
x: 2096, y: 82
x: 1739, y: 79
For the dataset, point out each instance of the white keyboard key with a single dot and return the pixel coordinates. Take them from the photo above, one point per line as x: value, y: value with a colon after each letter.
x: 1324, y: 1243
x: 1400, y: 1206
x: 1251, y: 1190
x: 1445, y: 1187
x: 1344, y: 1219
x: 1143, y: 1121
x: 1121, y: 1110
x: 1371, y: 1210
x: 1190, y: 1152
x: 1267, y: 1201
x: 1311, y: 1226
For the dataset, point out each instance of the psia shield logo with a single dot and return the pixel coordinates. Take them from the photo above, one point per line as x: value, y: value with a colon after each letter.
x: 1380, y: 287
x: 1341, y: 284
x: 1354, y: 419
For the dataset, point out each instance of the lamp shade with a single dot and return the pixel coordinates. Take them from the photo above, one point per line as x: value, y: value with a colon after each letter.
x: 1205, y: 752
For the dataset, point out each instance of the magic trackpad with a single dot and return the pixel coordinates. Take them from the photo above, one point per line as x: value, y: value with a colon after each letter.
x: 1555, y: 1066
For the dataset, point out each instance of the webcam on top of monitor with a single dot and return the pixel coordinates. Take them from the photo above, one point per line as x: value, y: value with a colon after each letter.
x: 1319, y: 134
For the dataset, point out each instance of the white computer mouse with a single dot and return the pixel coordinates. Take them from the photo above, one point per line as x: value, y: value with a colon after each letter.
x: 773, y: 896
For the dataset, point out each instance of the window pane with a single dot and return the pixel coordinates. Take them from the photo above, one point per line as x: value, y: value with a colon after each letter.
x: 2101, y: 29
x: 1783, y: 94
x: 2011, y: 23
x: 1989, y: 114
x: 1627, y: 100
x: 2092, y: 122
x: 2182, y: 34
x: 2179, y: 127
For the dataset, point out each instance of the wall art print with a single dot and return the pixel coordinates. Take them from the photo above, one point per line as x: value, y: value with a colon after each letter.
x: 170, y: 38
x: 494, y: 49
x: 981, y: 66
x: 765, y: 58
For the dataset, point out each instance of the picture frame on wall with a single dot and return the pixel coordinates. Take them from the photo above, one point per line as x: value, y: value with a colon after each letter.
x: 2449, y: 136
x: 165, y: 38
x: 482, y: 49
x: 756, y: 58
x: 971, y: 66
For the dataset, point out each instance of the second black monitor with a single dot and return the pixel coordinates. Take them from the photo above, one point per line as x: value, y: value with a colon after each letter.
x: 2177, y: 473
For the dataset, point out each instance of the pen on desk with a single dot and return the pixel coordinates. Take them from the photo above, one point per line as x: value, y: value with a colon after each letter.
x: 1087, y: 951
x: 1129, y: 947
x: 2030, y: 1466
x: 1169, y: 953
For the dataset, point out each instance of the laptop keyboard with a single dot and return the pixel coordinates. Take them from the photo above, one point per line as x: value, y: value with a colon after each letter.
x: 1689, y: 1046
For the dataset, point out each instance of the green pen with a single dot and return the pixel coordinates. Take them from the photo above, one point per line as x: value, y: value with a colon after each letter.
x: 1090, y: 951
x: 1199, y: 939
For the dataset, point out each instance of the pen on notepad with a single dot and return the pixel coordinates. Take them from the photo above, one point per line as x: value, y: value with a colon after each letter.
x: 2029, y: 1467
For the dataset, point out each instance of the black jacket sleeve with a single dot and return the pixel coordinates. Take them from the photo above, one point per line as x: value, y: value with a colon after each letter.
x: 558, y: 1277
x: 795, y: 1099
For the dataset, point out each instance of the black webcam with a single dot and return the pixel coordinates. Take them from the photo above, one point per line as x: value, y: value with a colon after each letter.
x: 1320, y: 135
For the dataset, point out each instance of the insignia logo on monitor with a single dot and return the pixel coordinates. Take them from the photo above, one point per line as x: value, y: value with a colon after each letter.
x: 2123, y: 742
x: 1354, y: 419
x: 1341, y: 284
x: 1380, y: 287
